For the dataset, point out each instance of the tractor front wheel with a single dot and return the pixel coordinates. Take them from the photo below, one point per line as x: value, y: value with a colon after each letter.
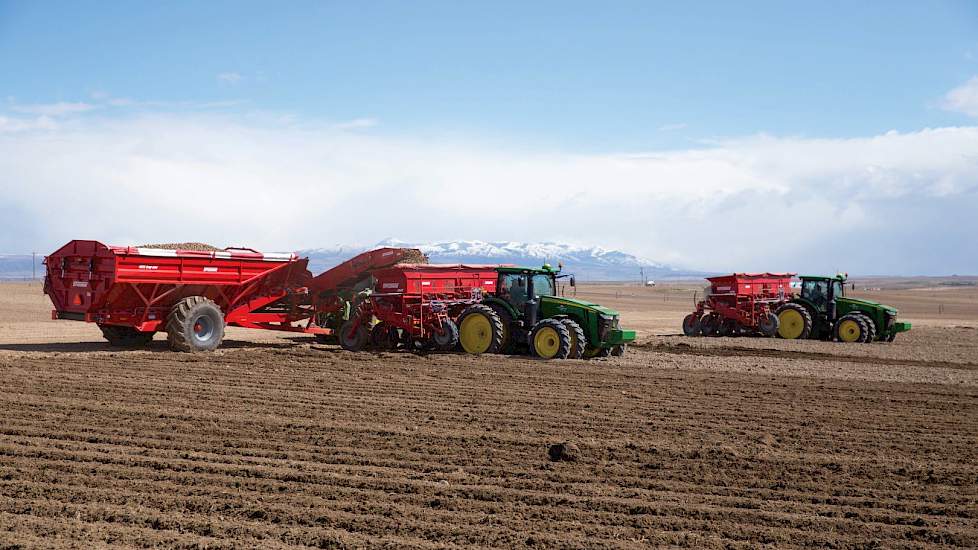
x: 480, y: 330
x: 691, y: 325
x: 794, y: 322
x: 578, y: 339
x: 851, y: 328
x: 550, y: 339
x: 195, y: 324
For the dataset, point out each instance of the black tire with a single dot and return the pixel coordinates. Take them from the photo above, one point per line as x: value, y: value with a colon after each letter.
x: 856, y: 331
x: 495, y: 331
x: 806, y: 331
x: 383, y: 337
x: 709, y: 324
x: 448, y: 340
x: 768, y: 324
x: 691, y: 325
x: 125, y: 337
x: 195, y: 324
x: 558, y: 347
x: 726, y: 327
x: 619, y: 350
x: 578, y: 338
x: 353, y: 336
x: 506, y: 343
x: 871, y: 335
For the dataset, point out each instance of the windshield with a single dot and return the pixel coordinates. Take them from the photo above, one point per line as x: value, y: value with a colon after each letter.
x: 838, y: 290
x: 543, y: 285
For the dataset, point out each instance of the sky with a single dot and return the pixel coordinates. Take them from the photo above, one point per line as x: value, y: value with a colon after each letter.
x: 716, y: 135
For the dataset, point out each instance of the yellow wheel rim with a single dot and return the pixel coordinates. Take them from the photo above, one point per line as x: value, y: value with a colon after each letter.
x: 547, y: 342
x: 849, y: 331
x: 475, y: 333
x: 790, y: 324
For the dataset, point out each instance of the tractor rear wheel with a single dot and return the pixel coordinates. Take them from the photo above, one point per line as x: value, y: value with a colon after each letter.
x: 195, y: 324
x: 578, y: 339
x: 353, y: 336
x: 691, y: 325
x: 125, y: 337
x: 506, y: 344
x: 550, y: 339
x: 794, y: 322
x: 383, y: 337
x: 709, y: 324
x: 480, y: 330
x: 851, y: 328
x: 767, y: 323
x: 448, y: 339
x: 871, y: 326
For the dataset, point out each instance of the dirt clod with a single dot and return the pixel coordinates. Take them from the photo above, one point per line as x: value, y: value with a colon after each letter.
x: 566, y: 452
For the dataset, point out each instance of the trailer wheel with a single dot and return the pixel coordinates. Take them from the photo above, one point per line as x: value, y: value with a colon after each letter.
x: 794, y: 322
x: 448, y: 339
x: 691, y: 325
x: 550, y: 339
x: 768, y: 324
x: 195, y: 324
x: 480, y: 330
x: 352, y: 336
x: 709, y: 324
x: 383, y: 337
x: 577, y: 336
x: 125, y: 337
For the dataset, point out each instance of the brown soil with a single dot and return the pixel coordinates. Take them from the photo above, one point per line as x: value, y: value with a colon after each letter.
x: 276, y: 441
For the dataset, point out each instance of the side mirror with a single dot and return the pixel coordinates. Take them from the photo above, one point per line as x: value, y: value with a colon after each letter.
x: 573, y: 282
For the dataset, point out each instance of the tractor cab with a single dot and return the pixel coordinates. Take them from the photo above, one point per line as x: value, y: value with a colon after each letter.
x: 821, y: 292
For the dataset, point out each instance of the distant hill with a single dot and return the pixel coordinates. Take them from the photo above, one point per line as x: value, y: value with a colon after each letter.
x: 587, y: 263
x: 18, y: 266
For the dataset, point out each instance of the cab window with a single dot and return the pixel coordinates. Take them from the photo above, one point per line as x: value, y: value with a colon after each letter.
x: 816, y: 292
x: 512, y: 287
x: 543, y: 285
x: 838, y: 290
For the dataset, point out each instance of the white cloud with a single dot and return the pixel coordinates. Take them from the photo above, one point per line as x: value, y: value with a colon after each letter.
x: 61, y: 108
x: 357, y: 124
x: 963, y: 99
x: 230, y: 77
x: 893, y: 203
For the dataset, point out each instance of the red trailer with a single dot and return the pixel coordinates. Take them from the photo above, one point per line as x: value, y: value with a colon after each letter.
x: 740, y: 303
x: 133, y: 292
x: 415, y: 305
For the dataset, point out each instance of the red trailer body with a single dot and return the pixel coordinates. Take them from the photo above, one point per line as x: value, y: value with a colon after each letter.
x: 417, y: 302
x: 740, y: 302
x: 137, y: 287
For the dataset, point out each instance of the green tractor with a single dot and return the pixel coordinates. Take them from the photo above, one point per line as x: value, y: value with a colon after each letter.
x: 525, y: 314
x: 823, y: 312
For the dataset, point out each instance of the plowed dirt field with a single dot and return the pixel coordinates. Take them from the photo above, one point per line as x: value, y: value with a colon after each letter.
x: 274, y: 442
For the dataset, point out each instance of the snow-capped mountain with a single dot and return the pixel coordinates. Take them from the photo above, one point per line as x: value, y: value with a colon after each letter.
x: 587, y: 263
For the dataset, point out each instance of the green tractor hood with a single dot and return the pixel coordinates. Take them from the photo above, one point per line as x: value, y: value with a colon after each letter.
x: 569, y: 303
x: 869, y: 304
